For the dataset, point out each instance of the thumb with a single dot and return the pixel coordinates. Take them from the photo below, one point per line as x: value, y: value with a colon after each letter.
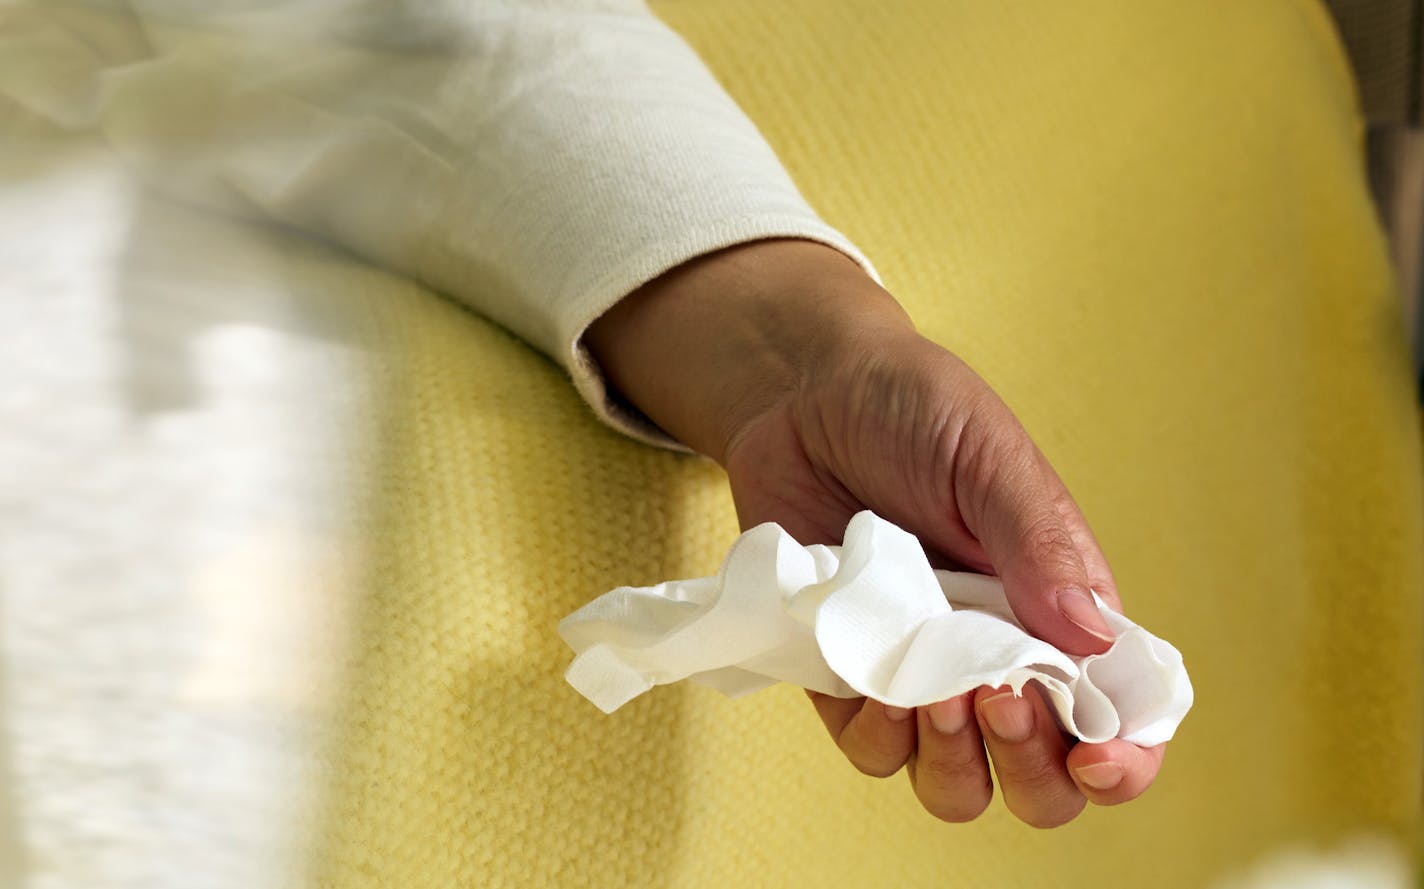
x: 1023, y: 517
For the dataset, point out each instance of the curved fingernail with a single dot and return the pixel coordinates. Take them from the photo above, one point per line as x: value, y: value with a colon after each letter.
x: 1078, y: 608
x: 949, y: 717
x: 1010, y: 717
x: 897, y: 714
x: 1101, y: 775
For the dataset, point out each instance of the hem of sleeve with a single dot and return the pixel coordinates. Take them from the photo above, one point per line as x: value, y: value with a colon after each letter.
x: 588, y: 378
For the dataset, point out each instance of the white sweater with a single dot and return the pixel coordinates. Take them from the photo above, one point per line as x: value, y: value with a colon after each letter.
x: 535, y: 160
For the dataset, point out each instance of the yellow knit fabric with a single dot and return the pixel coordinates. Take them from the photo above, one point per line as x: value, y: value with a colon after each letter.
x: 1145, y: 224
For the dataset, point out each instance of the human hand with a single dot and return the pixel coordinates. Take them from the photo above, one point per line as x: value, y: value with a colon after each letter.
x: 784, y: 362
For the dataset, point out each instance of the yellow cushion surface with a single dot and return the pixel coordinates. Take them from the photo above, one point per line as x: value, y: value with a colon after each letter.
x: 1146, y: 225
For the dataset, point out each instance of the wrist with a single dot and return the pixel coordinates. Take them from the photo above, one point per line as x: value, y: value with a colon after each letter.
x: 710, y: 346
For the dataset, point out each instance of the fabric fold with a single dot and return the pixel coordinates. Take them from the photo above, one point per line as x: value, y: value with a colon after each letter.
x: 870, y: 617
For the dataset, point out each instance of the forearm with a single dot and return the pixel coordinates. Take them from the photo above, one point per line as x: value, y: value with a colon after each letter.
x: 707, y: 347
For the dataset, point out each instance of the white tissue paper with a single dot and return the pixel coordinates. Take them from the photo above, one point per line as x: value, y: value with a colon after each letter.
x: 870, y: 617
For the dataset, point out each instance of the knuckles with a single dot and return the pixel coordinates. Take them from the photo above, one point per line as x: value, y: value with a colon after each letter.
x: 1048, y: 543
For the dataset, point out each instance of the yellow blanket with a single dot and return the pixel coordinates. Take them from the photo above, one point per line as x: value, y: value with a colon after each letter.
x: 1145, y: 224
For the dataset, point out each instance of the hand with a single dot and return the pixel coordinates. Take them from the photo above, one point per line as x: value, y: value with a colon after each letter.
x: 785, y: 363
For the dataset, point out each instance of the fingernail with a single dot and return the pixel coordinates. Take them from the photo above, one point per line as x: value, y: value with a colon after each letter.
x: 1100, y: 776
x: 951, y: 716
x: 897, y: 714
x: 1009, y: 717
x: 1081, y: 610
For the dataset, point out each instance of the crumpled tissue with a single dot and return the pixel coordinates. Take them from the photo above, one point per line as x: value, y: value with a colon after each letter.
x: 870, y: 617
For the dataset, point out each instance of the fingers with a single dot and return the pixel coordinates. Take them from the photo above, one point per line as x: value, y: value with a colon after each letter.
x: 1029, y: 756
x: 1039, y: 543
x: 1115, y: 771
x: 948, y: 769
x: 875, y: 738
x: 1044, y: 782
x: 941, y: 742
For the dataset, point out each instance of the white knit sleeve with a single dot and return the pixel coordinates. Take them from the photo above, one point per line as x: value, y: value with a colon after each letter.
x: 535, y: 160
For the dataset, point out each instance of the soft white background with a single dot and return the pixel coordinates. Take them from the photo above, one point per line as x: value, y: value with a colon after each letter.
x: 178, y: 411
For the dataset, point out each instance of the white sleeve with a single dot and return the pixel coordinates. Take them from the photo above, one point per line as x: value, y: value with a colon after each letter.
x: 535, y: 160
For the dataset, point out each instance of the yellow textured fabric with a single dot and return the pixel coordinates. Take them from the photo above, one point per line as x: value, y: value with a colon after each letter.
x: 1145, y: 224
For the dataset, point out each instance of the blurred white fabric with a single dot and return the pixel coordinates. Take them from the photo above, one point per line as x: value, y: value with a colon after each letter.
x: 180, y: 397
